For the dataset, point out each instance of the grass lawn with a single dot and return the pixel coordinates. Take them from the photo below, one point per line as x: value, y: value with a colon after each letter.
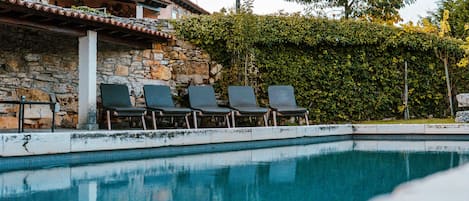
x: 411, y: 121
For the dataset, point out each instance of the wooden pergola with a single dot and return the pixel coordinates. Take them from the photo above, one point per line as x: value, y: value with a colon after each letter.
x: 88, y: 28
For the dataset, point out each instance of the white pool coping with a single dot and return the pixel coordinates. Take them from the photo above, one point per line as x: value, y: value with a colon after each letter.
x: 29, y: 144
x: 39, y: 143
x: 448, y: 185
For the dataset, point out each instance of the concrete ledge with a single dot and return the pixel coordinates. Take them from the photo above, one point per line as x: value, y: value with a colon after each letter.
x: 35, y: 144
x: 388, y: 128
x: 382, y: 129
x: 30, y: 144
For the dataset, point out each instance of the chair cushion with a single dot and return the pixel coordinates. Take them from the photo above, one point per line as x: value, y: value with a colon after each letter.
x: 115, y: 95
x: 128, y: 111
x: 158, y: 96
x: 241, y: 96
x: 172, y: 110
x: 251, y: 110
x: 290, y: 110
x: 281, y: 96
x: 213, y: 110
x: 202, y: 96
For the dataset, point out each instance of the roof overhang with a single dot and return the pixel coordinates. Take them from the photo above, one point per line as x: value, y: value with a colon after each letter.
x: 76, y: 23
x: 156, y: 3
x: 191, y: 6
x: 150, y: 3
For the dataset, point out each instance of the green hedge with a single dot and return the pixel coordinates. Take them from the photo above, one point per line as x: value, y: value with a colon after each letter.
x: 341, y: 70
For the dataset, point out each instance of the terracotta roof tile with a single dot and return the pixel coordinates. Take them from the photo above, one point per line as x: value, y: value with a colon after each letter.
x: 77, y: 14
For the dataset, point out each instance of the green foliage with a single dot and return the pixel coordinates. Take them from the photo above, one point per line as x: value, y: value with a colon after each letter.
x: 370, y: 9
x: 341, y: 70
x: 459, y: 16
x: 89, y: 10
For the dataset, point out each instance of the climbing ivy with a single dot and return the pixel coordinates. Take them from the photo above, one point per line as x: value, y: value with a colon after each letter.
x: 342, y: 70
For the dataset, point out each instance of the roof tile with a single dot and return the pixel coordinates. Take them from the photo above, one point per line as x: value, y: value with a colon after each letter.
x: 109, y: 20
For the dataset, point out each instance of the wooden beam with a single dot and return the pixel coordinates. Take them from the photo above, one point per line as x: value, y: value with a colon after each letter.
x: 44, y: 27
x: 64, y: 23
x: 99, y: 29
x: 126, y: 35
x: 113, y: 32
x: 46, y: 19
x: 26, y: 15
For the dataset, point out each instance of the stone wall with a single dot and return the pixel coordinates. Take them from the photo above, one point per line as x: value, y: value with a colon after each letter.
x: 46, y: 62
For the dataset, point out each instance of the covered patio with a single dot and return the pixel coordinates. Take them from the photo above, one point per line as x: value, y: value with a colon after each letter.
x: 73, y: 37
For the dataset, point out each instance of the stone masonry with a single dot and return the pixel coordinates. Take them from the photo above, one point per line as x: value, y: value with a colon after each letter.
x: 463, y: 102
x: 44, y: 63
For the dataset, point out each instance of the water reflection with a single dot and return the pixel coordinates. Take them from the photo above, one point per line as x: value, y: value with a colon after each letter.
x: 314, y: 172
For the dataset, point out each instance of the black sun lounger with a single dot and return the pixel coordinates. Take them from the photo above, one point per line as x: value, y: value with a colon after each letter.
x: 203, y: 102
x: 116, y: 102
x: 283, y: 103
x: 160, y: 102
x: 243, y: 102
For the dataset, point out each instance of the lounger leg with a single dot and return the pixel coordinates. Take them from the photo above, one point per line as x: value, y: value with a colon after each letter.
x: 153, y: 117
x: 143, y: 123
x: 274, y: 114
x: 108, y: 114
x: 187, y: 121
x: 306, y: 117
x: 194, y: 118
x: 227, y: 119
x: 265, y: 120
x: 233, y: 121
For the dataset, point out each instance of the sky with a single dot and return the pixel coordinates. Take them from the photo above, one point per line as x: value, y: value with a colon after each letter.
x: 410, y: 13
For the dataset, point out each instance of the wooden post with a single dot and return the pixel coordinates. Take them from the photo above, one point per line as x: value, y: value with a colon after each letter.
x: 443, y: 56
x: 448, y: 85
x: 406, y: 93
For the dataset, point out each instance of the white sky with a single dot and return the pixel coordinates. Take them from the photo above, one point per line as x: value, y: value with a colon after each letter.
x: 412, y: 12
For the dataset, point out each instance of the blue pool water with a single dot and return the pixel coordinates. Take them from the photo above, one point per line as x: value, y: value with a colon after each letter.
x: 330, y: 172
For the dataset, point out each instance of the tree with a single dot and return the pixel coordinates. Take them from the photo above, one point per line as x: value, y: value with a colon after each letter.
x: 427, y: 25
x: 459, y: 10
x: 382, y: 10
x: 443, y: 55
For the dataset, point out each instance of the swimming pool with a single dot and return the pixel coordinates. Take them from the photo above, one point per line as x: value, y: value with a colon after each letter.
x: 345, y: 170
